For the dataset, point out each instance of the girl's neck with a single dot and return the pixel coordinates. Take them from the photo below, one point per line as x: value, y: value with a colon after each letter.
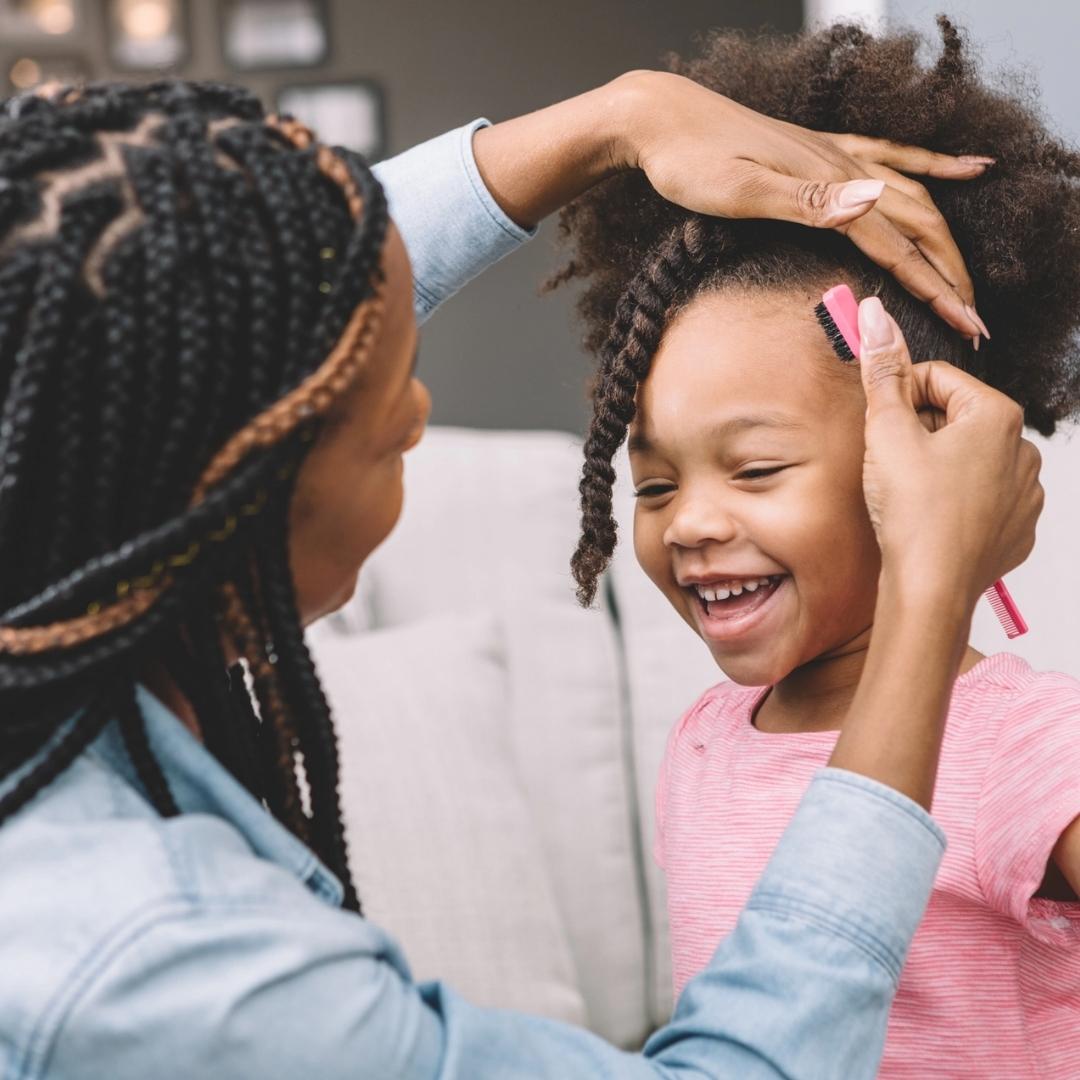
x: 817, y: 696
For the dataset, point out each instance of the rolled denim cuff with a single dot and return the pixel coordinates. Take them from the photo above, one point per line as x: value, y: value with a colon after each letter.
x: 452, y: 226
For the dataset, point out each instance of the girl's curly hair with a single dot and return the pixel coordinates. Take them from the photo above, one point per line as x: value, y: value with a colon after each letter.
x: 1018, y: 227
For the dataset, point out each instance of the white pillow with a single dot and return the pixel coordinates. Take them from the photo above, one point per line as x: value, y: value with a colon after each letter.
x: 490, y: 521
x: 442, y: 844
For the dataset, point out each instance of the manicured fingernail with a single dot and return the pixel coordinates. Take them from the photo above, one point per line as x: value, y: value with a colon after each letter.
x: 875, y: 327
x: 974, y: 316
x: 975, y: 342
x: 859, y: 192
x: 976, y: 159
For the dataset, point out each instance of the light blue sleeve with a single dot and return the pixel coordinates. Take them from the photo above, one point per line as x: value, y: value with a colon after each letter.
x: 452, y: 227
x: 272, y: 983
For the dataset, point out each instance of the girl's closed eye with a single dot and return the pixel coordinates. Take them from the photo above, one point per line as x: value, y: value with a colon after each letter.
x: 651, y: 491
x: 760, y: 472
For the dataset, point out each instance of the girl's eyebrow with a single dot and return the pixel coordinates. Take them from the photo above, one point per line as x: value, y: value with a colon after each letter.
x: 640, y: 443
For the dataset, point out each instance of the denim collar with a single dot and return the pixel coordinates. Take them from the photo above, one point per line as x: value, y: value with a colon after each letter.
x: 200, y: 785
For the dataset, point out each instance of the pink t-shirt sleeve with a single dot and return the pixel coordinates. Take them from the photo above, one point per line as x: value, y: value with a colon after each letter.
x: 1030, y: 795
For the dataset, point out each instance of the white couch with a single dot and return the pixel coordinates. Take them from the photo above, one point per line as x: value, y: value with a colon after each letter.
x: 500, y: 744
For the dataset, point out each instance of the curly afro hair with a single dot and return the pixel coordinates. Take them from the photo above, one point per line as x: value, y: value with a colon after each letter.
x: 642, y: 258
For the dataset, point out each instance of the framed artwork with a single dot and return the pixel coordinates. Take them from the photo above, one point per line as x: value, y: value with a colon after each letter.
x: 31, y: 69
x: 274, y: 33
x: 31, y: 20
x: 147, y: 35
x: 348, y: 114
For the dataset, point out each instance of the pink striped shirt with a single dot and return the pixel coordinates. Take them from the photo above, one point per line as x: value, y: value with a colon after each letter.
x: 991, y: 988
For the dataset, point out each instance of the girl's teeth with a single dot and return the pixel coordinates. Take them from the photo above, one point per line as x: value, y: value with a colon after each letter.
x: 735, y: 589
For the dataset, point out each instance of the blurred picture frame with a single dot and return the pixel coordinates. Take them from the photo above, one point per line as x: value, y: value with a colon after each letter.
x: 147, y: 35
x: 267, y: 34
x: 342, y: 112
x: 24, y: 70
x: 27, y: 22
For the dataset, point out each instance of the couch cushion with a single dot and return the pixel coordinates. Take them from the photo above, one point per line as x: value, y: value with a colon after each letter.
x: 490, y: 522
x: 442, y: 841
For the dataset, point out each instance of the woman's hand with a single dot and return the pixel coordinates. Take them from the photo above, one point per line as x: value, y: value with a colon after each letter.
x: 709, y: 154
x: 953, y: 493
x: 955, y: 507
x: 705, y: 152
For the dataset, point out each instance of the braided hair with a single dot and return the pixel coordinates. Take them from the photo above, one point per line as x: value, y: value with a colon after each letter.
x: 643, y: 259
x: 186, y: 287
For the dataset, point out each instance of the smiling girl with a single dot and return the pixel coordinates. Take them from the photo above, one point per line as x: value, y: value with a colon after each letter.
x: 747, y: 440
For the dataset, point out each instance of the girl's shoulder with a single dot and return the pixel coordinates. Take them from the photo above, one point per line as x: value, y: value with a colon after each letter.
x: 1003, y: 706
x: 1007, y: 685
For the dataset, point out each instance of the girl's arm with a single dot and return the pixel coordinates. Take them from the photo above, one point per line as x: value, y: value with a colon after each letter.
x: 1067, y: 856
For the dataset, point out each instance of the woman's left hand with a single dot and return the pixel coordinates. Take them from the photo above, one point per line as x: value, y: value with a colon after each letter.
x: 712, y: 155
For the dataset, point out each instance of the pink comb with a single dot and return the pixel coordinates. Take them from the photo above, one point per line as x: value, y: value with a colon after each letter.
x: 838, y: 314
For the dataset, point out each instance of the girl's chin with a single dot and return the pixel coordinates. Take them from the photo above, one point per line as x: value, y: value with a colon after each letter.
x: 752, y: 671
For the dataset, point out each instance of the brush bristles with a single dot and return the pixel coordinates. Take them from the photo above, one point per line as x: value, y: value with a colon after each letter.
x: 832, y: 332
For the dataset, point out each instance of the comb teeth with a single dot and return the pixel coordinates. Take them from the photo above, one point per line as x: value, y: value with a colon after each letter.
x: 1012, y: 622
x: 832, y: 332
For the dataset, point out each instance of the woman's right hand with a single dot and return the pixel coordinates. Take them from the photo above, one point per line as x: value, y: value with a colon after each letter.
x: 954, y: 507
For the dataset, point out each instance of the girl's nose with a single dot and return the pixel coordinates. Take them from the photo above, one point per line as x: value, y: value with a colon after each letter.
x: 699, y: 519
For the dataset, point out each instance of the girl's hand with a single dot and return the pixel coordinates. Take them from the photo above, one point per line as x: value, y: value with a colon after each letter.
x: 709, y: 154
x: 955, y: 507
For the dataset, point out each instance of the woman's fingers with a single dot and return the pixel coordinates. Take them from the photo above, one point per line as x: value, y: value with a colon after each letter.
x: 878, y: 237
x: 941, y: 386
x: 913, y: 159
x: 925, y: 227
x: 885, y: 366
x: 753, y: 191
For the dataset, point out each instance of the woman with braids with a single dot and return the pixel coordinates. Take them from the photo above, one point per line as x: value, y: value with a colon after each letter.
x: 747, y: 441
x: 207, y: 343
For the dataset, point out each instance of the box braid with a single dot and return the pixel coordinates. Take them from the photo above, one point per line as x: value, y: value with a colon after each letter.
x: 186, y: 287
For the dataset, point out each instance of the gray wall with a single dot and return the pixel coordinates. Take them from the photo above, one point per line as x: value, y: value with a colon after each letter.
x: 500, y: 356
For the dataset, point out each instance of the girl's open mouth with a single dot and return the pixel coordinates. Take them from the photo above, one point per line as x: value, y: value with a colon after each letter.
x: 732, y: 609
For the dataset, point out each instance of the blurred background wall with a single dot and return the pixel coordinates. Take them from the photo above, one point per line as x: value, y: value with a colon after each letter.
x: 498, y: 356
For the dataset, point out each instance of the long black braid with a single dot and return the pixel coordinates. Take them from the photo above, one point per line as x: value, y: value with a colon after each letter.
x: 173, y: 266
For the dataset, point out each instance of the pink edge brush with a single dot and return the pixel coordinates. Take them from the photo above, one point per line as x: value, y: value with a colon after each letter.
x: 838, y: 314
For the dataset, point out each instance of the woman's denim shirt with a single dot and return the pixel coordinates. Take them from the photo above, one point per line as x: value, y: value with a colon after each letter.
x: 212, y: 944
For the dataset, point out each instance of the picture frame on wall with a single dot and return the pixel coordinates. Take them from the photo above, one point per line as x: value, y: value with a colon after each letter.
x: 147, y: 35
x: 260, y: 34
x: 30, y: 21
x: 347, y: 113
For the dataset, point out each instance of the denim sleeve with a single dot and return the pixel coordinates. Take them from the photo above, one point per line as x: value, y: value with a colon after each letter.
x: 452, y: 227
x: 276, y: 984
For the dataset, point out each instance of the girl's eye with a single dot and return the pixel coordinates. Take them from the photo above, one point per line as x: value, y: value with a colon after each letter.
x: 652, y: 490
x: 759, y: 474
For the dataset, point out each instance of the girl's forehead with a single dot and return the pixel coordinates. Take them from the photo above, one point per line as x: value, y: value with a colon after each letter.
x: 739, y: 348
